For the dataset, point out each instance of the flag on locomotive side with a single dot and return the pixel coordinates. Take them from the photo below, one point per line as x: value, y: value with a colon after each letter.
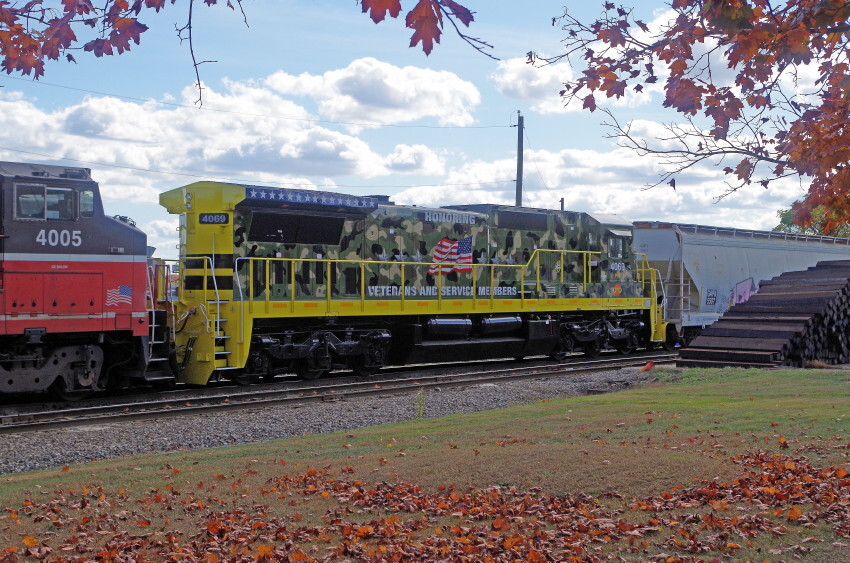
x: 452, y: 255
x: 121, y: 294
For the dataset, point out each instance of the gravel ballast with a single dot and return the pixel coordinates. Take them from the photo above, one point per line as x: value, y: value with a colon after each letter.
x: 57, y: 448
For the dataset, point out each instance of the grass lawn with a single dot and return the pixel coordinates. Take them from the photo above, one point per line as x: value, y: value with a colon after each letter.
x: 702, y: 465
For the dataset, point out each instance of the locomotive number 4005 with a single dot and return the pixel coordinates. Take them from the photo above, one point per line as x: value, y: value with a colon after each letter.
x: 59, y: 238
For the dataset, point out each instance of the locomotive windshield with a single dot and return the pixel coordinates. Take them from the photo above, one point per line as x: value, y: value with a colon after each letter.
x: 40, y: 202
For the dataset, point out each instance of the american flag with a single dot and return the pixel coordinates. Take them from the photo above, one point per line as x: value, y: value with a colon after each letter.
x: 121, y: 294
x: 450, y: 255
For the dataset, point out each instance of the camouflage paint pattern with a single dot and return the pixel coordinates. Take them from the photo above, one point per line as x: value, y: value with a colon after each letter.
x: 394, y: 247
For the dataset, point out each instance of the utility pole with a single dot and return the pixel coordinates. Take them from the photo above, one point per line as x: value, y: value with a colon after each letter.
x: 520, y: 128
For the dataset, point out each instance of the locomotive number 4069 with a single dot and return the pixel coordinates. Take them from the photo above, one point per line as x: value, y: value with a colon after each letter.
x: 59, y: 238
x: 212, y: 218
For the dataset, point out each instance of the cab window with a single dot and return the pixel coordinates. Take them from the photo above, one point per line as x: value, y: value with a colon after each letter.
x: 86, y: 203
x: 615, y: 247
x: 60, y: 204
x: 29, y: 201
x: 34, y: 202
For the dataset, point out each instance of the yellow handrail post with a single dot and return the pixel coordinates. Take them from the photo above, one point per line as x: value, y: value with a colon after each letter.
x: 522, y: 285
x: 537, y: 254
x: 328, y: 286
x: 362, y: 286
x: 251, y: 285
x: 292, y: 287
x: 268, y: 289
x: 402, y: 286
x: 474, y: 285
x: 492, y: 286
x: 439, y: 289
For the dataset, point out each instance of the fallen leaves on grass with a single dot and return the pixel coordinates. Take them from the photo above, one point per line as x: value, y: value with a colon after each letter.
x: 401, y: 521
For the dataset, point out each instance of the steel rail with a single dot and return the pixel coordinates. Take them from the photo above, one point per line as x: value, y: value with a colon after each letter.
x: 261, y: 398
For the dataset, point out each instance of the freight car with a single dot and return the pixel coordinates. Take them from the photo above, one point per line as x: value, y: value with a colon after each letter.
x: 74, y: 307
x: 277, y: 280
x: 705, y: 270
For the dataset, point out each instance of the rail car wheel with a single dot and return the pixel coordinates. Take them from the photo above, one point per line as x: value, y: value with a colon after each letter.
x: 592, y: 349
x: 362, y: 369
x: 60, y: 391
x: 671, y: 338
x: 243, y: 379
x: 309, y: 369
x: 566, y: 346
x: 627, y: 345
x: 374, y: 348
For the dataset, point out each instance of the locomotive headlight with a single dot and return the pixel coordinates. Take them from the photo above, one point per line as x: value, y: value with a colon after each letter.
x: 188, y: 205
x: 188, y: 196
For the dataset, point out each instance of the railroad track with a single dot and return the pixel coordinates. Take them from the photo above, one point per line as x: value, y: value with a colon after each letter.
x: 328, y: 390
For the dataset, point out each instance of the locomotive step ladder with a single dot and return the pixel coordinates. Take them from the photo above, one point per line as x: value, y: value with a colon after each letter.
x: 221, y: 360
x: 158, y: 351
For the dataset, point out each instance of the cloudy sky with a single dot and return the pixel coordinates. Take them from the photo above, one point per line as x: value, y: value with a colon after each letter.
x: 312, y: 94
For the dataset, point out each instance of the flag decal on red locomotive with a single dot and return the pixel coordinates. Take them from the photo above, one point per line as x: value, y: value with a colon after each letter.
x: 121, y: 294
x: 452, y: 256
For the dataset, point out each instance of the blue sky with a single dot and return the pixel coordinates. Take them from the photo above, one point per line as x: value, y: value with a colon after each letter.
x: 313, y: 94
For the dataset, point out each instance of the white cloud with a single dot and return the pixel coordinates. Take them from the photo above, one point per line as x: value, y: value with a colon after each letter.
x: 414, y: 158
x: 610, y: 182
x: 536, y: 86
x: 372, y: 91
x: 256, y: 135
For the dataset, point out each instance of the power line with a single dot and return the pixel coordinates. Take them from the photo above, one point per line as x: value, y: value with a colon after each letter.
x: 240, y: 181
x: 248, y: 114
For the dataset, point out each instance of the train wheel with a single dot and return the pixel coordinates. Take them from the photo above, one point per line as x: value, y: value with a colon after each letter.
x: 672, y: 337
x: 566, y: 346
x: 243, y: 379
x: 592, y: 349
x: 59, y: 390
x: 361, y: 369
x: 374, y: 354
x: 307, y: 369
x: 627, y: 345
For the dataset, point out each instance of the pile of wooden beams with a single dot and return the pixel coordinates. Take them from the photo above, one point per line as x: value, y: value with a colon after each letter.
x: 795, y: 318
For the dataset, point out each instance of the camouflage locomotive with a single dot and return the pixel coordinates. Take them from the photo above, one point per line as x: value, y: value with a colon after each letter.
x: 275, y: 280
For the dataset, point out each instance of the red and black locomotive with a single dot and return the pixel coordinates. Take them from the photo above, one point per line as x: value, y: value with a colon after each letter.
x: 74, y: 299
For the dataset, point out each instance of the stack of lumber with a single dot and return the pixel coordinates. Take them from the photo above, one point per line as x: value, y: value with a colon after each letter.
x: 795, y: 318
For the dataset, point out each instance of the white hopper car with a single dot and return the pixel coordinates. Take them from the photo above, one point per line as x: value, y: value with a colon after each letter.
x: 705, y: 270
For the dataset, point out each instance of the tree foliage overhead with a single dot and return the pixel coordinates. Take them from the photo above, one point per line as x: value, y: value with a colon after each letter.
x: 35, y: 31
x: 760, y: 84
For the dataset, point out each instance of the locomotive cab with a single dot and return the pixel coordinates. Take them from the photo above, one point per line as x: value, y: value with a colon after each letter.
x: 72, y: 284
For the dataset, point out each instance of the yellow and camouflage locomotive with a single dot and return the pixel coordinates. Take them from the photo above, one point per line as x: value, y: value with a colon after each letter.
x: 275, y: 280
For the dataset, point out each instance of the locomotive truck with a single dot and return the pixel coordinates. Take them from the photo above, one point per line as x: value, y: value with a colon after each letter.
x: 275, y: 280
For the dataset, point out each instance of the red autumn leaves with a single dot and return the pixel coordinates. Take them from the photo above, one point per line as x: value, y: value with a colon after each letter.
x: 425, y: 19
x: 222, y: 520
x: 34, y: 33
x: 753, y: 119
